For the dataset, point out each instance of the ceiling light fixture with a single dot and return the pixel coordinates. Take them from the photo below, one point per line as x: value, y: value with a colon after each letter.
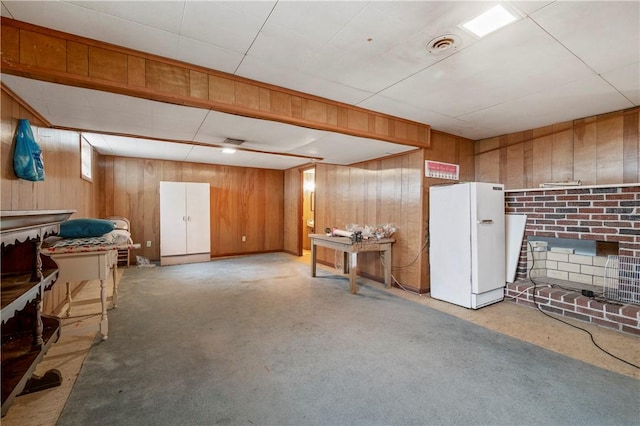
x: 489, y: 21
x: 228, y: 150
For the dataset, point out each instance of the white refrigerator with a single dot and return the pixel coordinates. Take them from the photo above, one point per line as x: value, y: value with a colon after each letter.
x: 467, y: 243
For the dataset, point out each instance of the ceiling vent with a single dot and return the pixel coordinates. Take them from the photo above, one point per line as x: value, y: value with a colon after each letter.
x: 231, y: 141
x: 443, y: 43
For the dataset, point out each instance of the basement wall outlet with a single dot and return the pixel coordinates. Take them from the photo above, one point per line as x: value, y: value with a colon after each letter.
x: 148, y: 243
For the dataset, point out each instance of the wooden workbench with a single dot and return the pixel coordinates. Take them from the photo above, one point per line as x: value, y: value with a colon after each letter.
x: 351, y: 250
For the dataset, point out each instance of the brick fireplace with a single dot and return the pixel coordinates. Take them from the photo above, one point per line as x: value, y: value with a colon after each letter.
x: 608, y: 215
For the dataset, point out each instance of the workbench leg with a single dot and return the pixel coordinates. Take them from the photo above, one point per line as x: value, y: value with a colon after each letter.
x: 313, y: 258
x: 386, y: 260
x: 104, y: 321
x: 345, y: 262
x: 352, y: 261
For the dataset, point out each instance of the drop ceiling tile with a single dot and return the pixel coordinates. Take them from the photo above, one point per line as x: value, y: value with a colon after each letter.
x: 314, y: 20
x: 44, y: 91
x: 167, y: 15
x: 61, y: 16
x: 108, y: 120
x: 529, y: 7
x: 66, y: 114
x: 58, y: 109
x: 372, y: 32
x: 179, y: 151
x: 349, y: 58
x: 129, y: 149
x: 344, y: 149
x: 551, y: 106
x: 520, y: 60
x: 175, y: 122
x: 279, y: 45
x: 257, y: 134
x: 434, y: 119
x: 159, y: 150
x: 613, y: 28
x: 98, y: 142
x: 211, y: 155
x: 369, y: 73
x: 627, y: 81
x: 278, y: 162
x: 263, y: 70
x: 218, y: 24
x: 208, y: 55
x: 126, y: 105
x: 135, y: 36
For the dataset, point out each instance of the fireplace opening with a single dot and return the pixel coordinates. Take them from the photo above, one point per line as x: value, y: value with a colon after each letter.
x: 606, y: 248
x: 579, y: 264
x: 574, y: 246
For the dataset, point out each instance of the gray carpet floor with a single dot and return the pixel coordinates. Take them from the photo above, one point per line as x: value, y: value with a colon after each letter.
x: 257, y: 341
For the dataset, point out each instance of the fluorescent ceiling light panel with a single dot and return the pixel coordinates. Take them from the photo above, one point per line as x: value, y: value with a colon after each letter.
x: 228, y: 150
x: 491, y: 20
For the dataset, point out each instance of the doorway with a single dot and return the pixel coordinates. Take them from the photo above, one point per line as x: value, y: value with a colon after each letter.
x: 308, y: 207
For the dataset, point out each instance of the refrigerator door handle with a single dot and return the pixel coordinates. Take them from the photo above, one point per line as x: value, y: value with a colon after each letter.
x: 485, y: 221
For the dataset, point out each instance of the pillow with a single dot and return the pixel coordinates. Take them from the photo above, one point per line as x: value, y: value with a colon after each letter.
x: 85, y: 228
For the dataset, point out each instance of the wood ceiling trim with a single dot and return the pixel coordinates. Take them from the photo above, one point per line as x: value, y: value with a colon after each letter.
x: 44, y: 54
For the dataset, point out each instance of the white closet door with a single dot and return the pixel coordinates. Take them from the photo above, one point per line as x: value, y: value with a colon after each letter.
x: 173, y: 215
x: 198, y: 218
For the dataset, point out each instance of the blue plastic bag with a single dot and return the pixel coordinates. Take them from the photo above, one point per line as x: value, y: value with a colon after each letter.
x: 27, y: 157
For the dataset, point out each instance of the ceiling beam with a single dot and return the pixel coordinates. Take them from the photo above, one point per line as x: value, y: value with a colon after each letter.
x: 44, y: 54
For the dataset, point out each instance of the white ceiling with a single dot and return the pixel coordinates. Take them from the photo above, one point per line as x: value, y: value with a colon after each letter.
x: 562, y: 60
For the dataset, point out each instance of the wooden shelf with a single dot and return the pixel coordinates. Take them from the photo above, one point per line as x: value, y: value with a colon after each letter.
x: 20, y: 357
x: 26, y: 333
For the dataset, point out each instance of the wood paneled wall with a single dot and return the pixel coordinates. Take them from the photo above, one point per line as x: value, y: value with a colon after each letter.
x: 373, y: 193
x: 244, y: 201
x: 63, y: 188
x: 388, y: 190
x: 449, y: 149
x: 596, y: 150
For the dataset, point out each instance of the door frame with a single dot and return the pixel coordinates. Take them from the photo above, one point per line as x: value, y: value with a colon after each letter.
x: 300, y: 217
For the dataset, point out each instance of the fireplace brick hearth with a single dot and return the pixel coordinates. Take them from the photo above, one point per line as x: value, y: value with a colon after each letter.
x: 606, y: 214
x: 600, y: 213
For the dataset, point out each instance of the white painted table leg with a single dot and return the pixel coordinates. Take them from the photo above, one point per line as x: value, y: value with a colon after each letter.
x: 104, y: 321
x: 68, y: 299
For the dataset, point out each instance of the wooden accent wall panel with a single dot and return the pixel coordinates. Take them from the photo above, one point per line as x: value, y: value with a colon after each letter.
x: 610, y: 148
x: 387, y: 190
x: 63, y: 188
x: 449, y: 149
x: 244, y: 201
x: 292, y: 210
x: 598, y: 150
x: 585, y: 138
x: 375, y: 192
x: 41, y: 53
x: 631, y: 148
